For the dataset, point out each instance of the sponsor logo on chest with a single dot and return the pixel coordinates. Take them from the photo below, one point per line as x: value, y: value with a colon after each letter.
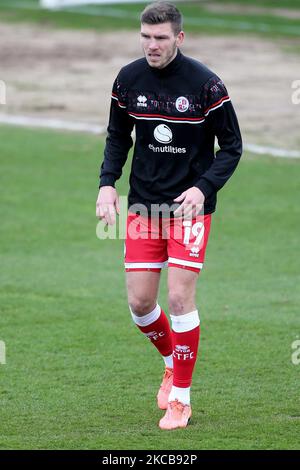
x: 164, y: 135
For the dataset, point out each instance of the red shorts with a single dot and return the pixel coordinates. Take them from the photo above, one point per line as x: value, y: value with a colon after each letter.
x: 153, y: 243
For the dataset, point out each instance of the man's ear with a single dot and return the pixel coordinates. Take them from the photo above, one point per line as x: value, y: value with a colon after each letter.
x: 180, y: 38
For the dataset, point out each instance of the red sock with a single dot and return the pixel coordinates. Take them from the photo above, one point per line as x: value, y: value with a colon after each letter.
x: 185, y: 350
x: 159, y: 333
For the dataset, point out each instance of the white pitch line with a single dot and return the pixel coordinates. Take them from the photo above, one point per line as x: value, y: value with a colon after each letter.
x: 273, y: 151
x: 237, y: 25
x: 57, y: 124
x: 98, y: 10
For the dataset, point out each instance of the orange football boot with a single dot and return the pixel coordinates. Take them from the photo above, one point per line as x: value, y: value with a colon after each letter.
x: 177, y: 416
x: 165, y: 389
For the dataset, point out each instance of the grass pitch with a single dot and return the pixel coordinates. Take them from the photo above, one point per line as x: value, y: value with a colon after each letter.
x: 79, y: 375
x: 197, y: 18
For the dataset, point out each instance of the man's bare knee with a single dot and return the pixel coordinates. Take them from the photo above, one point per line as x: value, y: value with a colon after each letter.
x: 181, y: 302
x: 177, y: 302
x: 142, y: 288
x: 182, y: 291
x: 141, y: 306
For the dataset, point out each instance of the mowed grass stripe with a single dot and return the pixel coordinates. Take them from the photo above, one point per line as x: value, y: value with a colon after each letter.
x: 78, y: 374
x: 126, y: 16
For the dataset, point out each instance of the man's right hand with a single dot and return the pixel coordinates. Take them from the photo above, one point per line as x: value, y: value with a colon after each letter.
x: 107, y: 205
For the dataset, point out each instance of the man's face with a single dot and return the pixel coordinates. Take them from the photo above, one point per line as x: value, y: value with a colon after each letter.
x: 160, y: 44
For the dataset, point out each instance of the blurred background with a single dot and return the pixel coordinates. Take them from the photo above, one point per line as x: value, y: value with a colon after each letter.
x: 76, y: 374
x: 61, y: 63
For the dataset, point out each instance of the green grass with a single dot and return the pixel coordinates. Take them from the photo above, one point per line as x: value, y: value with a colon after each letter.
x: 265, y: 3
x: 79, y: 375
x: 126, y: 16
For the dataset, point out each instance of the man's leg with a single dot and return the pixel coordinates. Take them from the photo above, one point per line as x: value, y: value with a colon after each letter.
x: 185, y: 339
x: 142, y: 288
x: 187, y: 242
x: 185, y: 330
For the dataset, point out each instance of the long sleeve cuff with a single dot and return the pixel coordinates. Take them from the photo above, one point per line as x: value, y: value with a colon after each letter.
x: 205, y: 187
x: 107, y: 180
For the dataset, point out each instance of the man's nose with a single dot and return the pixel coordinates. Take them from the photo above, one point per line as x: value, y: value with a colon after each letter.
x: 153, y: 44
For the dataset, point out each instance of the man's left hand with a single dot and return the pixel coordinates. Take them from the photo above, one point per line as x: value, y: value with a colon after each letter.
x: 192, y: 201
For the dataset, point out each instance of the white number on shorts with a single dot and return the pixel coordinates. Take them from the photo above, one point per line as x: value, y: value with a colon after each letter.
x: 197, y: 230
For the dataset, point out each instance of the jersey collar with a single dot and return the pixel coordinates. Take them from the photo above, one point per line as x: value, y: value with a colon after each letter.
x: 170, y: 68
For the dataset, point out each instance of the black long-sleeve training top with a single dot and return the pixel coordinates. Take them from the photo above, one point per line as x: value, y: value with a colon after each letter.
x: 177, y: 113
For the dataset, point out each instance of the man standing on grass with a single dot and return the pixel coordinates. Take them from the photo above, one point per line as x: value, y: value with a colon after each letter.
x: 178, y: 107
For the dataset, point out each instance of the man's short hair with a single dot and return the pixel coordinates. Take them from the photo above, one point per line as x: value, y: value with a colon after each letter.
x: 163, y: 12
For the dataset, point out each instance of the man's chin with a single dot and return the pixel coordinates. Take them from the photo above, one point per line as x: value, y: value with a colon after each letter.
x: 155, y: 64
